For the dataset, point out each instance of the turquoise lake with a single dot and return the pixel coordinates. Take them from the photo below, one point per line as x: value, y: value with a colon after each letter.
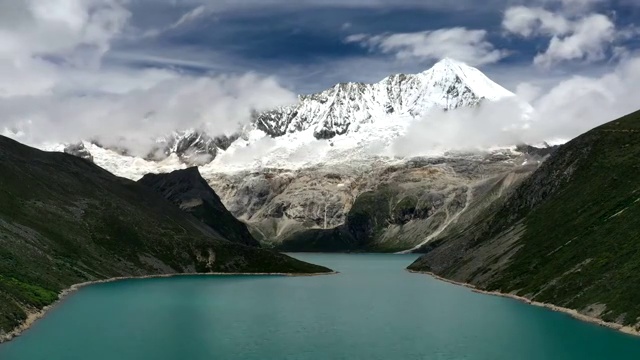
x: 373, y: 309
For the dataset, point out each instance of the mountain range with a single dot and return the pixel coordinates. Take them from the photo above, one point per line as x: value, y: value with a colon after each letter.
x: 345, y: 107
x: 347, y: 122
x: 304, y: 166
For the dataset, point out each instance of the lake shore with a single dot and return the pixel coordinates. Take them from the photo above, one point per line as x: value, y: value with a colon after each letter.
x: 571, y: 312
x: 34, y: 316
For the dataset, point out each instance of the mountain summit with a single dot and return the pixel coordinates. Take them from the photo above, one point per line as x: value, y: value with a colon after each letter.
x: 448, y: 85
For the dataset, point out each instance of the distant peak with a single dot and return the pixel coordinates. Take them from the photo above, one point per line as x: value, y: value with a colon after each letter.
x: 449, y: 61
x: 451, y: 64
x: 473, y: 78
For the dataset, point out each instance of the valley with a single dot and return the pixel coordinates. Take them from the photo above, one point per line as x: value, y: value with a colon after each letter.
x: 300, y: 180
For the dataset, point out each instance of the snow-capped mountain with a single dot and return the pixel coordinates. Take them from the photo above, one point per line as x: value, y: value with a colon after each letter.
x: 448, y: 85
x: 349, y: 123
x: 304, y: 166
x: 192, y: 147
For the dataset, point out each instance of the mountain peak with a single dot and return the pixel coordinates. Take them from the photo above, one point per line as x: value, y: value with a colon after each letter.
x: 343, y: 108
x: 474, y: 79
x: 449, y: 62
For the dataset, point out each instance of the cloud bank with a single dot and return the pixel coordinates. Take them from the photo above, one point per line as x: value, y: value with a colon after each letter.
x: 575, y: 31
x: 566, y: 110
x: 57, y: 85
x: 469, y: 46
x: 55, y: 88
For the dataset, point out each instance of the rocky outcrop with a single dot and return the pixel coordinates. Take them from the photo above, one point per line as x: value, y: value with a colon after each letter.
x: 191, y: 193
x: 79, y: 150
x: 193, y: 147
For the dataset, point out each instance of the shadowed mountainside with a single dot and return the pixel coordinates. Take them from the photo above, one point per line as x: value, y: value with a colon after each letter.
x: 64, y: 220
x: 191, y: 193
x: 568, y: 235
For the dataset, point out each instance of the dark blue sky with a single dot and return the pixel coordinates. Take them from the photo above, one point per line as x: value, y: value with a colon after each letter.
x: 304, y: 44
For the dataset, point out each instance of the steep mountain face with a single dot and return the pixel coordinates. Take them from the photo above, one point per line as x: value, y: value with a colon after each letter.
x: 345, y: 107
x: 64, y: 220
x: 568, y: 235
x: 383, y: 207
x: 193, y: 147
x: 191, y: 193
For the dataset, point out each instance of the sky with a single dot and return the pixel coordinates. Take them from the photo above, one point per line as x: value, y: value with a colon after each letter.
x: 72, y: 69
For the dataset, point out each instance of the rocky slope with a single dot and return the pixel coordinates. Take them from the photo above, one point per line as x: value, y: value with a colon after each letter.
x: 192, y: 147
x: 568, y: 235
x: 191, y: 193
x: 64, y: 220
x: 381, y: 207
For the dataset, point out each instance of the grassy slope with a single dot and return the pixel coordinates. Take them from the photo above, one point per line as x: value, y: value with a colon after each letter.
x: 581, y: 215
x: 64, y: 220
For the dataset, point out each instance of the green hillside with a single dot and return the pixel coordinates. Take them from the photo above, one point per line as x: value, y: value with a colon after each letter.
x: 64, y: 220
x: 569, y: 234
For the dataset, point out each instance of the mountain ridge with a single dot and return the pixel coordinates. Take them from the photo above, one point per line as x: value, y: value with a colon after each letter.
x: 346, y: 122
x: 448, y: 85
x: 569, y: 235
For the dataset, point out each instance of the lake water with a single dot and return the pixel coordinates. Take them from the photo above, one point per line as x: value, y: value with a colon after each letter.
x: 373, y: 309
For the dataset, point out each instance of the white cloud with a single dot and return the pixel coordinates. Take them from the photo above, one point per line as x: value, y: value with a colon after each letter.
x: 528, y: 92
x: 575, y: 32
x: 53, y: 87
x: 134, y: 116
x: 470, y: 46
x: 186, y: 18
x: 67, y: 28
x: 492, y: 124
x: 590, y: 39
x: 580, y: 103
x: 527, y: 22
x: 563, y: 111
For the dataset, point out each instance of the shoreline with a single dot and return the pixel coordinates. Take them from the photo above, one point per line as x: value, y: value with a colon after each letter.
x: 34, y: 316
x: 571, y: 312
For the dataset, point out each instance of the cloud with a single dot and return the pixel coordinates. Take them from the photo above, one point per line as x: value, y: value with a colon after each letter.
x: 75, y: 30
x: 565, y: 110
x: 590, y: 39
x: 492, y: 124
x: 134, y: 117
x: 575, y: 32
x: 470, y: 46
x: 580, y: 103
x: 54, y: 87
x: 528, y: 92
x: 186, y: 18
x: 527, y: 22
